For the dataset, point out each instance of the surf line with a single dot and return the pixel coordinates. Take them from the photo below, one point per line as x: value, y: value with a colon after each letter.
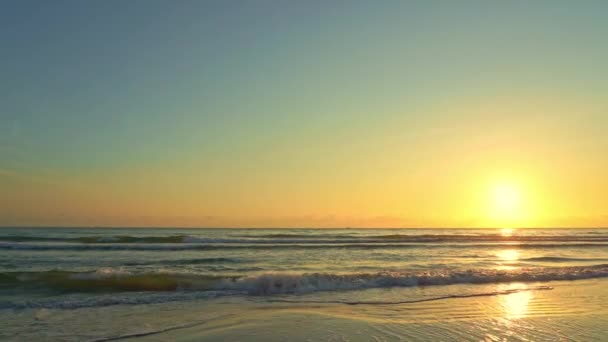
x: 156, y: 332
x: 497, y: 293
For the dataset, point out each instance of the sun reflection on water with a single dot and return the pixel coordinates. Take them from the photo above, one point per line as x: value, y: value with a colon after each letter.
x: 508, y: 255
x: 507, y: 259
x: 506, y: 232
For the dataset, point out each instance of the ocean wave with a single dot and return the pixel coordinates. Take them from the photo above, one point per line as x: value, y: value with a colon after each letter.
x: 487, y: 237
x: 299, y: 236
x: 105, y: 280
x: 220, y: 246
x: 266, y: 284
x: 191, y: 261
x: 430, y: 237
x: 288, y: 238
x: 97, y: 239
x: 117, y: 280
x: 562, y: 259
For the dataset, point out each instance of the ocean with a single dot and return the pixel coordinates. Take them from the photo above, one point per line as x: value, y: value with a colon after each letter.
x: 60, y: 284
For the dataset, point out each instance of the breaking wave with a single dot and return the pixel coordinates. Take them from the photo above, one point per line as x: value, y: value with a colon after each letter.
x: 116, y: 280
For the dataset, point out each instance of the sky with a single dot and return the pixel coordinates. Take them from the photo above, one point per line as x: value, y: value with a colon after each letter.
x: 304, y: 113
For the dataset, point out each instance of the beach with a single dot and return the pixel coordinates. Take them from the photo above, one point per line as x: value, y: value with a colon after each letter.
x: 569, y: 311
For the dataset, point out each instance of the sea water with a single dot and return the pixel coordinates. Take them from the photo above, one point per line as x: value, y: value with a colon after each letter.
x: 57, y: 273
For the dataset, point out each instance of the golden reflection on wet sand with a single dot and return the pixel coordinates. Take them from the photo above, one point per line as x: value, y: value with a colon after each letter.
x: 515, y: 305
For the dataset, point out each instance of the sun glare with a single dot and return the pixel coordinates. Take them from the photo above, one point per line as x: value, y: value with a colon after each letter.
x: 506, y: 198
x: 505, y: 205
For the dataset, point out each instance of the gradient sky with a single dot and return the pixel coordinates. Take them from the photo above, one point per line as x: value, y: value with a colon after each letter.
x: 302, y: 114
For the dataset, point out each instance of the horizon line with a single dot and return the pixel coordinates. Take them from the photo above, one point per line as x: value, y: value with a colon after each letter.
x: 171, y: 227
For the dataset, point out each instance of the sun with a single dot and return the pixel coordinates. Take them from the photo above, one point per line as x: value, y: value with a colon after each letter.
x: 505, y: 204
x: 506, y: 198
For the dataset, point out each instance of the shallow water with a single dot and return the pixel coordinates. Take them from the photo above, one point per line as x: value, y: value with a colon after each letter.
x: 56, y: 278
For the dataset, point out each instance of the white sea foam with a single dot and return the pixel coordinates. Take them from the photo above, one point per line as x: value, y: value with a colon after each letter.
x: 119, y: 280
x: 192, y: 286
x: 277, y: 283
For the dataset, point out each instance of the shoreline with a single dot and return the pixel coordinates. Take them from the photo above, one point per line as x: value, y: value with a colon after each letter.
x: 514, y: 316
x: 567, y: 310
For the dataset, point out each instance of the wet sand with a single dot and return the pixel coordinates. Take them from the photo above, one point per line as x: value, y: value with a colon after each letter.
x: 570, y: 311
